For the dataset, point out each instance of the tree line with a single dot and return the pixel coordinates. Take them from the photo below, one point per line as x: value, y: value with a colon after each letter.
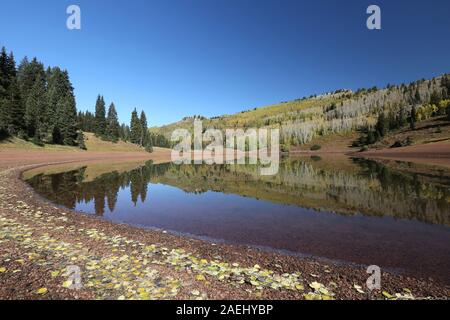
x: 105, y: 125
x: 37, y: 103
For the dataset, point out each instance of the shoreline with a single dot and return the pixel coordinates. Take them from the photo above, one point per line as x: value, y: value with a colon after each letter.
x: 301, y: 272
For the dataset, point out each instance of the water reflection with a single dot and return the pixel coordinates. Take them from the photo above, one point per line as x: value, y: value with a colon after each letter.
x: 360, y: 187
x: 392, y: 214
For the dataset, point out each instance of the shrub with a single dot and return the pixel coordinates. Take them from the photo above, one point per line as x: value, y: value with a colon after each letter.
x: 397, y: 144
x: 149, y: 148
x: 284, y: 148
x: 315, y: 147
x: 364, y: 148
x: 37, y: 142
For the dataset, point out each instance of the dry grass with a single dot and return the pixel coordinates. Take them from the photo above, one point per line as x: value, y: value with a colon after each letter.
x: 92, y: 144
x: 428, y: 131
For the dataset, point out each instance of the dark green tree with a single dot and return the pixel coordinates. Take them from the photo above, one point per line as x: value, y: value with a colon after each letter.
x: 112, y: 124
x: 144, y: 130
x: 382, y: 125
x: 435, y: 98
x: 35, y: 109
x: 417, y: 98
x: 402, y: 117
x: 11, y: 109
x: 67, y: 121
x: 100, y: 119
x: 413, y: 118
x: 135, y: 128
x: 80, y: 140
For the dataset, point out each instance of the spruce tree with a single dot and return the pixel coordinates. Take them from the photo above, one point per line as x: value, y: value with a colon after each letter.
x: 144, y: 130
x: 35, y: 108
x: 135, y: 128
x: 402, y: 117
x: 382, y: 125
x: 11, y: 111
x: 100, y: 119
x: 68, y: 121
x: 413, y: 118
x: 80, y: 140
x: 417, y: 98
x: 112, y: 122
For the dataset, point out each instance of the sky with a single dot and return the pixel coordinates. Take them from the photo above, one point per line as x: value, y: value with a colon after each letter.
x: 175, y: 58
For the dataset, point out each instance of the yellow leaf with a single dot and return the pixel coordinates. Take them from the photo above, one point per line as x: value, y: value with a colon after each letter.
x: 2, y: 269
x: 200, y: 277
x: 315, y: 285
x: 42, y: 291
x: 299, y: 287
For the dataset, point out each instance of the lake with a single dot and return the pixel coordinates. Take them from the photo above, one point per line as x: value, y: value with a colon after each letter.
x: 387, y: 213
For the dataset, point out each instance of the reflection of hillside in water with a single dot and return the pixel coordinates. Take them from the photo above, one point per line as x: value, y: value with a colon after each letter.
x: 361, y: 186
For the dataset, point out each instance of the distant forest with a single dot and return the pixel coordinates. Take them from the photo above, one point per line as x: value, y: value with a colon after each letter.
x: 105, y: 124
x: 38, y: 104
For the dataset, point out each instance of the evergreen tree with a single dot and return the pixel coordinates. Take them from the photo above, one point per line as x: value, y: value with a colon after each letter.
x: 125, y: 132
x: 135, y: 128
x: 402, y: 117
x: 80, y: 140
x: 100, y: 120
x: 435, y: 98
x: 11, y: 111
x: 55, y: 96
x: 67, y: 121
x: 27, y: 74
x: 417, y: 98
x: 382, y: 125
x: 35, y: 108
x: 112, y: 122
x: 413, y: 118
x: 144, y: 130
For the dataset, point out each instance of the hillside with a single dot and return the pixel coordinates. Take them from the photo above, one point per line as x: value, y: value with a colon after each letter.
x: 92, y: 144
x: 342, y: 112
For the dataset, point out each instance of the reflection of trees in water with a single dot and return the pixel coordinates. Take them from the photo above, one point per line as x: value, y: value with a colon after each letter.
x: 367, y: 187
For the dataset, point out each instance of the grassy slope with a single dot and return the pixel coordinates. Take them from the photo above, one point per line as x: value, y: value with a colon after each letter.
x: 428, y: 131
x: 92, y: 143
x: 252, y: 118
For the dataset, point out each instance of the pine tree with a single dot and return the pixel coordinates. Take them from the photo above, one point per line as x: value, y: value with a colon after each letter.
x: 125, y: 132
x: 55, y: 97
x: 80, y: 140
x: 35, y: 108
x: 11, y: 111
x: 67, y: 121
x: 435, y: 98
x: 417, y: 98
x: 402, y: 117
x: 144, y: 130
x: 27, y: 74
x: 112, y: 122
x: 135, y: 128
x: 413, y: 118
x: 381, y: 126
x: 100, y: 120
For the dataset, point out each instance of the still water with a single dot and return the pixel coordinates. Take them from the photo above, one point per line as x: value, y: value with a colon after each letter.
x: 392, y: 214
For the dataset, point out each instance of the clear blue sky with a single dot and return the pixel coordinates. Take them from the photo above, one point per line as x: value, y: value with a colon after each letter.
x: 210, y: 57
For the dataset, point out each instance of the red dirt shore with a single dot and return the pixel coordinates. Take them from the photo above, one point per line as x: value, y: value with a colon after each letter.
x: 38, y: 240
x: 432, y: 153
